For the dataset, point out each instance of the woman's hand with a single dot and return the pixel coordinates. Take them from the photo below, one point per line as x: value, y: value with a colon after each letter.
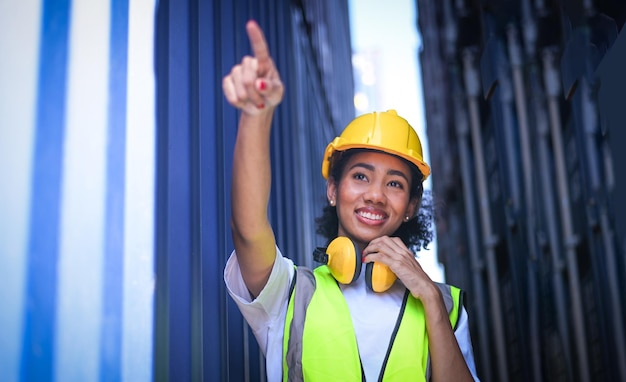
x: 254, y: 85
x: 448, y: 363
x: 392, y: 252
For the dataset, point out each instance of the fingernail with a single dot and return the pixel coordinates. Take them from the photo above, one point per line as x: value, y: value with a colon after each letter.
x: 260, y: 106
x: 262, y: 85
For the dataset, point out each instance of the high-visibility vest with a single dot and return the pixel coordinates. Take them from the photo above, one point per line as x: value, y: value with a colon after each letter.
x: 319, y: 342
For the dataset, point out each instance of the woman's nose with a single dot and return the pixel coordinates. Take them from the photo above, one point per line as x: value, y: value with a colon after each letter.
x: 375, y: 193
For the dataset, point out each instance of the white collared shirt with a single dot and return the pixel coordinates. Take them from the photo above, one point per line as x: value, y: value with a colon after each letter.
x: 373, y: 316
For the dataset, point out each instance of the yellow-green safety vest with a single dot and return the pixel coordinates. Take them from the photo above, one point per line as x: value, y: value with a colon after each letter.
x: 319, y: 342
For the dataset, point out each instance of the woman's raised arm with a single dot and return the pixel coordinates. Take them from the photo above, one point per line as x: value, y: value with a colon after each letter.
x: 253, y: 86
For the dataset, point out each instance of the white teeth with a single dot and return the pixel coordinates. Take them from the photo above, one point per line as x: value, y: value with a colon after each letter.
x: 371, y: 216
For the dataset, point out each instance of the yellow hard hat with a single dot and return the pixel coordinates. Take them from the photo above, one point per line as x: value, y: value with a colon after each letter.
x: 382, y: 131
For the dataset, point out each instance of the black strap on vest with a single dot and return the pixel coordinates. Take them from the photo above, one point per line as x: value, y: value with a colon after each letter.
x: 405, y: 299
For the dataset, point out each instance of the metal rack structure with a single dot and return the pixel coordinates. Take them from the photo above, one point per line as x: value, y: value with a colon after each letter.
x: 523, y: 117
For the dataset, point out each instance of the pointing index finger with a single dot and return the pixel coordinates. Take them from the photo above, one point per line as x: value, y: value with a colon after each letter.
x: 259, y: 47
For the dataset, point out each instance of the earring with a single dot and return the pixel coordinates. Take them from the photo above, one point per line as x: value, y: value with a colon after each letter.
x: 407, y: 218
x: 332, y: 202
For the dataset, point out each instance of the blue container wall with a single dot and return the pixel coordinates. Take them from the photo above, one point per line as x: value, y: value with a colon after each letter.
x: 115, y: 161
x: 77, y: 194
x: 199, y: 333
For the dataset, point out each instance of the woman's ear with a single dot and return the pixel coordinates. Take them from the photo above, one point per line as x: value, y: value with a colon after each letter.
x: 414, y: 205
x: 331, y: 191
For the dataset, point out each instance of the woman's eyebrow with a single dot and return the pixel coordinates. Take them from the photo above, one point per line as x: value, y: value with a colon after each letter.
x: 366, y: 166
x: 398, y: 173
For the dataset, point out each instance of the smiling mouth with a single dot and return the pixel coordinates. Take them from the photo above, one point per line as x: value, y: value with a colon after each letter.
x: 371, y: 216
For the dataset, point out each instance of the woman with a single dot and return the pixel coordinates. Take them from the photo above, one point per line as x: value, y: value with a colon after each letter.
x: 308, y: 325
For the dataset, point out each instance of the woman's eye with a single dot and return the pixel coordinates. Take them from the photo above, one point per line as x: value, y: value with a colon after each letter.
x: 359, y: 176
x: 396, y: 184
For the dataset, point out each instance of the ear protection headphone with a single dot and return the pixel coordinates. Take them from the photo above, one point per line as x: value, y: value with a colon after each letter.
x: 344, y: 262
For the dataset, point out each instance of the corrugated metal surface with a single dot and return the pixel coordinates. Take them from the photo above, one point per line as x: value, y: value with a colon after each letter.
x: 76, y: 201
x: 200, y: 333
x: 526, y: 162
x: 115, y: 162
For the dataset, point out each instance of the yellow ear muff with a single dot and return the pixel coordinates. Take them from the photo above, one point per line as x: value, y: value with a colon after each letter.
x: 378, y: 277
x: 344, y: 263
x: 342, y: 258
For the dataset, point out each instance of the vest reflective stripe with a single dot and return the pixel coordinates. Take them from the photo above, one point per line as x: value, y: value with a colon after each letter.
x: 299, y: 299
x: 320, y: 342
x: 452, y: 299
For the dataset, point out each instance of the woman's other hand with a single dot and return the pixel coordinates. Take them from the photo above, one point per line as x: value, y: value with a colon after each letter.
x: 254, y: 85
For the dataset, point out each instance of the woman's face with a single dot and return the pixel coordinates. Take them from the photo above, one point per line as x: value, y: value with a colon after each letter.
x: 372, y: 197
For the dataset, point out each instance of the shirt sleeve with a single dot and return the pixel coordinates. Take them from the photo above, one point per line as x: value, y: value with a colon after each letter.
x: 264, y: 314
x: 462, y: 335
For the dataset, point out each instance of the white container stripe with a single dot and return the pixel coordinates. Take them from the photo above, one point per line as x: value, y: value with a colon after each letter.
x: 18, y: 84
x: 138, y: 297
x: 83, y: 195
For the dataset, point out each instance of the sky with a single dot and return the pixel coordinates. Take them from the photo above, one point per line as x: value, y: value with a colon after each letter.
x: 389, y: 77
